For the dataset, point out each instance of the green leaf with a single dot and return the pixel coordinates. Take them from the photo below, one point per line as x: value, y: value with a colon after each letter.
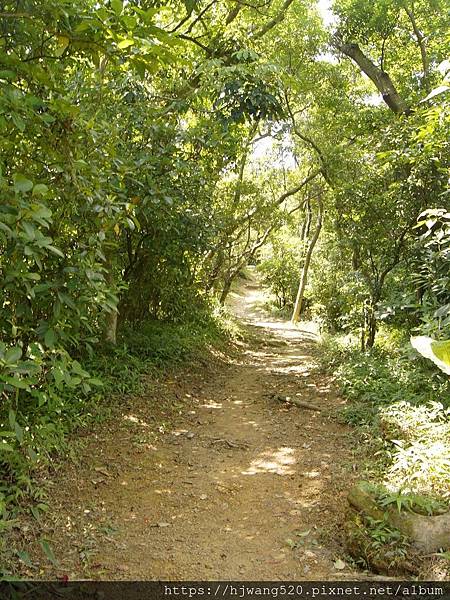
x: 18, y: 121
x: 4, y: 447
x: 50, y: 338
x: 19, y: 432
x: 21, y: 183
x: 48, y: 551
x: 40, y: 189
x: 13, y: 355
x: 16, y: 382
x: 58, y: 376
x: 190, y: 5
x: 125, y: 43
x: 29, y: 230
x: 5, y: 227
x: 24, y: 557
x: 63, y: 42
x: 117, y: 6
x: 35, y: 512
x: 436, y: 351
x: 7, y: 74
x: 55, y: 250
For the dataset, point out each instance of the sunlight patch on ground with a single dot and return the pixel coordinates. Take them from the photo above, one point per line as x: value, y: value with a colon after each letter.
x: 136, y: 420
x: 212, y: 404
x: 311, y: 474
x: 289, y: 369
x: 279, y: 462
x: 252, y: 423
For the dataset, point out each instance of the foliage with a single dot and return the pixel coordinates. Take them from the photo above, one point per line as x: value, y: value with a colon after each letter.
x: 401, y: 408
x: 437, y: 351
x: 280, y: 267
x: 377, y: 545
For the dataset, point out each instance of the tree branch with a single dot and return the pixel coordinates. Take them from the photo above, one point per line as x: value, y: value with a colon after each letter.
x: 379, y: 77
x: 420, y: 38
x: 273, y: 22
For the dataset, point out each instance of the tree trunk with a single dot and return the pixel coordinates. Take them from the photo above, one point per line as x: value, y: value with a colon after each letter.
x: 226, y: 289
x: 110, y: 321
x: 371, y: 324
x: 308, y: 256
x: 379, y: 77
x: 110, y: 329
x: 421, y: 42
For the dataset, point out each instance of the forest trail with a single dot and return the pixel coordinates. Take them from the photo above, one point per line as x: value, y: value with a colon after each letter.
x: 236, y: 485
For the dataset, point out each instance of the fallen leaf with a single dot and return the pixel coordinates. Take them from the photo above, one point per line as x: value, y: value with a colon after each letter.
x: 339, y: 565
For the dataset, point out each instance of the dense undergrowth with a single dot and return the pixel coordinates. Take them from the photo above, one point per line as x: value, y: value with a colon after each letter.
x: 400, y: 408
x: 38, y: 433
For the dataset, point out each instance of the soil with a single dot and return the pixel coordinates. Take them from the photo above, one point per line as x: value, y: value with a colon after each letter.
x: 209, y: 475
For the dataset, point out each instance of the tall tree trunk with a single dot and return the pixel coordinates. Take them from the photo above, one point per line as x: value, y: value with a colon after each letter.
x: 371, y: 326
x: 307, y: 262
x: 110, y: 328
x: 110, y: 319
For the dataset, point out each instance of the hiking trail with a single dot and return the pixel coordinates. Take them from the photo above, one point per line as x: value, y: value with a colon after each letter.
x: 210, y: 476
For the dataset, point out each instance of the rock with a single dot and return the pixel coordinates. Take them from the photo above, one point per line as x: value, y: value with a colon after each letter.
x: 428, y: 534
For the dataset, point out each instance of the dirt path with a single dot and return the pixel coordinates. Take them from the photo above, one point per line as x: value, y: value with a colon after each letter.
x: 237, y: 485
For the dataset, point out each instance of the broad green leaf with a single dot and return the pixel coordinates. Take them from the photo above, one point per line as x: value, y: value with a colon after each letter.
x: 58, y: 376
x: 18, y: 121
x: 117, y: 6
x: 16, y: 382
x: 29, y: 230
x: 6, y: 74
x: 50, y: 338
x: 13, y: 354
x: 63, y: 42
x: 19, y: 432
x: 190, y: 5
x: 40, y: 189
x: 35, y: 512
x: 22, y: 184
x: 55, y: 250
x: 437, y: 351
x: 125, y: 43
x: 4, y: 227
x: 4, y: 447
